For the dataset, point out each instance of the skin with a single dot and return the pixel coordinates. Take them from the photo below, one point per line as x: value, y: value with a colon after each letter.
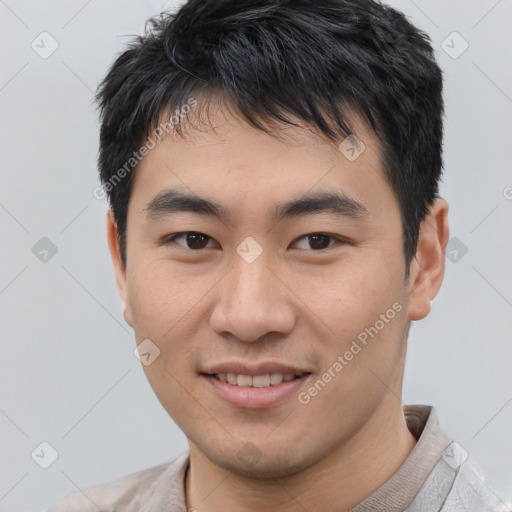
x: 295, y: 304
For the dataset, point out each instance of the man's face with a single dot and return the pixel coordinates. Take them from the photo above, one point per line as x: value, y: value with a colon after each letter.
x: 301, y: 302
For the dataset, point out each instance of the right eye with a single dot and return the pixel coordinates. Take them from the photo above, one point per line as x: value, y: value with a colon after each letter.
x: 193, y: 240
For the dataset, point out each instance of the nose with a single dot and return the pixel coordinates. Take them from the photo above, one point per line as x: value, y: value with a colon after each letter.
x: 253, y: 300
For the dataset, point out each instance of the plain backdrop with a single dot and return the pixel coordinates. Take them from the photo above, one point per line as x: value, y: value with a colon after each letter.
x: 68, y: 374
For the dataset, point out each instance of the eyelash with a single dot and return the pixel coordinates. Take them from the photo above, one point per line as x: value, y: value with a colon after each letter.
x: 170, y: 240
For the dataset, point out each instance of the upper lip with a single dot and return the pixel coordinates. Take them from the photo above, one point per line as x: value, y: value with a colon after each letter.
x: 264, y: 368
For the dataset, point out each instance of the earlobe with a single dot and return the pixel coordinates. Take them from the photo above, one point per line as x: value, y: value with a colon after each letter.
x: 427, y: 268
x: 127, y: 315
x: 119, y: 269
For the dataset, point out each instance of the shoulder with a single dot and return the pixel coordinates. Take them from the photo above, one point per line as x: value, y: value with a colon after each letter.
x: 126, y: 494
x: 470, y: 491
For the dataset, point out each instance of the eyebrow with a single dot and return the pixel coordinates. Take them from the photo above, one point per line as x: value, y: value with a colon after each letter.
x: 171, y: 201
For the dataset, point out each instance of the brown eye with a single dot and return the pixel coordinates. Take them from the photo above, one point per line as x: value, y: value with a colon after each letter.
x: 319, y: 241
x: 193, y: 240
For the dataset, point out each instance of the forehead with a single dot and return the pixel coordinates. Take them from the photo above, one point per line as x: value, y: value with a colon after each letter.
x: 244, y: 166
x: 216, y: 123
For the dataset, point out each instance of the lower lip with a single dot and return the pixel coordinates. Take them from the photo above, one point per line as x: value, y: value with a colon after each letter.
x: 254, y: 398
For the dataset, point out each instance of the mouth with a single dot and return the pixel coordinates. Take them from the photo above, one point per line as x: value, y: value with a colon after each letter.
x: 256, y: 381
x: 254, y: 391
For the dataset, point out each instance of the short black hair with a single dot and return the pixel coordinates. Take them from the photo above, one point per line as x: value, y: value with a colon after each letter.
x: 274, y: 59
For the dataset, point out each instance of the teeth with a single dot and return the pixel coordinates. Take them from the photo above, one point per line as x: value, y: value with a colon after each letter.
x: 244, y: 380
x: 276, y: 378
x: 258, y: 381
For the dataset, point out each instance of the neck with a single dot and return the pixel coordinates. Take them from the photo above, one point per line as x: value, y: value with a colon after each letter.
x: 343, y: 479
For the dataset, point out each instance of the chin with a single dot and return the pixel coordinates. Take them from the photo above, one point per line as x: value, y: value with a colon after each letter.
x: 259, y: 466
x: 263, y: 471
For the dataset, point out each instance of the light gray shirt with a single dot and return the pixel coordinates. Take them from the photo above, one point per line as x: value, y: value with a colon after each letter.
x: 437, y: 476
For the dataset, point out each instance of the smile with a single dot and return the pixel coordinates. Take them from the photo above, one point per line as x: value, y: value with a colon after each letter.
x: 256, y: 381
x: 254, y: 392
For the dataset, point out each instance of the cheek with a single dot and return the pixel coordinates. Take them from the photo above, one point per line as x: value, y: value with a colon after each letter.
x: 169, y: 308
x: 359, y: 365
x: 352, y: 299
x: 364, y: 307
x: 163, y: 304
x: 160, y: 296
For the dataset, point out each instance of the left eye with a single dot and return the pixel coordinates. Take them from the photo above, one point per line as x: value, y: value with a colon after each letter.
x: 197, y: 241
x: 320, y: 241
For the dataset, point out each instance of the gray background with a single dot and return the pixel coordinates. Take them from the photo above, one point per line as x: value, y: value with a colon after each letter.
x: 68, y: 373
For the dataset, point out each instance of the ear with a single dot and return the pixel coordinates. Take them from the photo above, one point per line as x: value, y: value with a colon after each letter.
x: 427, y: 266
x: 120, y: 271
